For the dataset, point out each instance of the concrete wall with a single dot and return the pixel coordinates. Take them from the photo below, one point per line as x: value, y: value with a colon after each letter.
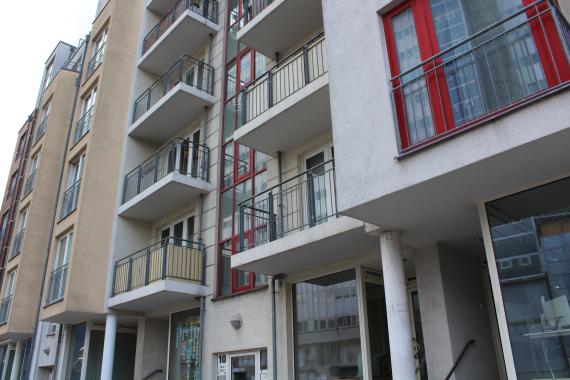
x: 152, y: 348
x: 453, y: 311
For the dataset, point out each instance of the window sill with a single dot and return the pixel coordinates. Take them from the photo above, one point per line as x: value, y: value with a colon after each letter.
x: 248, y: 291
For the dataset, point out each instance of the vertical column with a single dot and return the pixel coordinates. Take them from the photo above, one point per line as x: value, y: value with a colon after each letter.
x: 396, y: 293
x: 109, y: 347
x: 17, y: 361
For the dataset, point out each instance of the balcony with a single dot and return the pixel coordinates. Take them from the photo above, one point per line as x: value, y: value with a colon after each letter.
x: 83, y: 125
x: 289, y: 104
x: 176, y: 174
x: 176, y: 98
x: 57, y: 281
x: 183, y: 30
x: 95, y: 61
x: 167, y: 273
x: 511, y: 63
x: 70, y: 199
x: 268, y: 23
x: 29, y: 184
x: 40, y: 130
x: 295, y: 225
x: 5, y: 310
x: 17, y: 244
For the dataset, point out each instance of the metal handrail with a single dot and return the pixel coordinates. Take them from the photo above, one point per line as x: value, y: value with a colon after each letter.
x: 285, y: 78
x: 179, y: 155
x: 209, y: 10
x: 96, y: 60
x: 70, y: 199
x: 30, y: 181
x: 459, y: 358
x: 170, y: 257
x: 83, y: 125
x: 155, y: 372
x: 40, y: 130
x: 253, y: 8
x: 5, y: 309
x: 304, y: 201
x: 17, y: 244
x: 189, y: 70
x: 57, y: 282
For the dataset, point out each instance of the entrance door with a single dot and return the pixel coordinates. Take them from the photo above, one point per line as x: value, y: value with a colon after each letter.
x: 319, y: 188
x: 374, y: 303
x: 243, y: 367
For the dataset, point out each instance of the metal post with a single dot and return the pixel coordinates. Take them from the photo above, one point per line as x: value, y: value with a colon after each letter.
x: 311, y: 199
x: 270, y: 89
x: 147, y: 267
x: 205, y: 12
x: 244, y: 107
x: 272, y: 234
x: 241, y: 227
x: 164, y: 257
x: 139, y: 178
x: 113, y: 286
x: 129, y: 273
x: 306, y: 64
x: 156, y: 164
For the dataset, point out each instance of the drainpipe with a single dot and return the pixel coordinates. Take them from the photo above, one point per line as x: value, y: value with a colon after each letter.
x: 280, y: 198
x: 274, y: 279
x: 35, y: 338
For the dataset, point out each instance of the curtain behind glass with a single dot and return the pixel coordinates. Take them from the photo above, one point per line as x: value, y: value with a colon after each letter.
x: 184, y: 360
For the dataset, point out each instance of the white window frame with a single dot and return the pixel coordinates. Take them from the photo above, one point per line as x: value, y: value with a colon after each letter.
x: 63, y: 250
x: 10, y: 282
x: 49, y: 73
x: 75, y: 170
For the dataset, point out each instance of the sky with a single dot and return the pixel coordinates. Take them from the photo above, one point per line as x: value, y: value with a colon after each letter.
x: 29, y: 32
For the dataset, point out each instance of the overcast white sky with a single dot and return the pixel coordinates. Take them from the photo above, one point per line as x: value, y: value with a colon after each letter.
x: 29, y: 32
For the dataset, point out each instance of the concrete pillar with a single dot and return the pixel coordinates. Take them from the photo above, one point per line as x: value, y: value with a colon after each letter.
x: 397, y: 308
x: 109, y: 347
x: 17, y: 363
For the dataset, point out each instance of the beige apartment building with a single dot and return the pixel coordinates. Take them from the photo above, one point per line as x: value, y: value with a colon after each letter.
x: 298, y: 189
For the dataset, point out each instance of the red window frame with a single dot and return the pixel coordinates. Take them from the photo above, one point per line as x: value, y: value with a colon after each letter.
x: 550, y: 50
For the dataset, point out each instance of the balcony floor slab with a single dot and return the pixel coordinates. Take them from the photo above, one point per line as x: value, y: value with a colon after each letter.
x: 327, y: 243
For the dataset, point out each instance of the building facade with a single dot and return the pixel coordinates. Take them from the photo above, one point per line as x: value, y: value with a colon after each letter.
x: 293, y: 189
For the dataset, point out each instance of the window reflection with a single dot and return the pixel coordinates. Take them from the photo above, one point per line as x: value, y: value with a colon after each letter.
x: 327, y: 336
x: 531, y: 240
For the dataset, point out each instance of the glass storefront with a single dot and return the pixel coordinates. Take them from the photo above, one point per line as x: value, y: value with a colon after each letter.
x: 184, y: 361
x: 530, y: 232
x: 327, y: 330
x: 76, y: 352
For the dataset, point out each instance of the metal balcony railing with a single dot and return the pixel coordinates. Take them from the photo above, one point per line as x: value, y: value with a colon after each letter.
x: 83, y: 125
x: 70, y: 199
x: 57, y: 281
x: 187, y: 70
x: 17, y: 244
x: 491, y: 72
x: 253, y: 8
x: 205, y: 8
x: 5, y: 310
x: 30, y: 181
x: 179, y: 155
x: 40, y: 130
x: 96, y: 60
x: 170, y: 258
x: 283, y: 80
x: 304, y: 201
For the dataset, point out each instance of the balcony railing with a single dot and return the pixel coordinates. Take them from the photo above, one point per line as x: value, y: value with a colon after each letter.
x: 500, y: 68
x: 40, y: 130
x: 5, y: 310
x: 304, y: 201
x: 57, y: 280
x: 205, y: 8
x: 179, y: 155
x: 187, y: 70
x: 17, y: 244
x: 30, y: 181
x: 83, y: 125
x: 253, y: 8
x: 96, y: 60
x: 170, y: 258
x: 70, y: 199
x: 283, y: 80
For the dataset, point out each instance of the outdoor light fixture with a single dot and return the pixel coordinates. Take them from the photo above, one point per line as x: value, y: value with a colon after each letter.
x: 235, y: 321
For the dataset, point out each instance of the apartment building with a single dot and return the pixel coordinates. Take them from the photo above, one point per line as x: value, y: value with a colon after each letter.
x: 225, y: 206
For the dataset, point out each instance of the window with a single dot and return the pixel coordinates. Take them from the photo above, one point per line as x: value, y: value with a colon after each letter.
x: 98, y: 52
x: 444, y: 80
x: 84, y: 123
x: 21, y: 146
x: 531, y: 231
x: 63, y: 250
x: 12, y: 185
x: 34, y: 163
x: 71, y: 195
x: 4, y: 225
x: 75, y: 171
x: 10, y: 281
x: 48, y: 74
x: 22, y: 220
x: 327, y: 330
x: 243, y: 169
x: 76, y: 352
x: 184, y: 358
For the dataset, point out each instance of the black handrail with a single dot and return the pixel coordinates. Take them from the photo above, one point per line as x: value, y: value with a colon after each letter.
x: 155, y: 372
x: 459, y: 358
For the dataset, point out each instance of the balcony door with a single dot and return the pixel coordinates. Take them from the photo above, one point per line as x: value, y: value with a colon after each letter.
x: 75, y: 171
x: 319, y: 195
